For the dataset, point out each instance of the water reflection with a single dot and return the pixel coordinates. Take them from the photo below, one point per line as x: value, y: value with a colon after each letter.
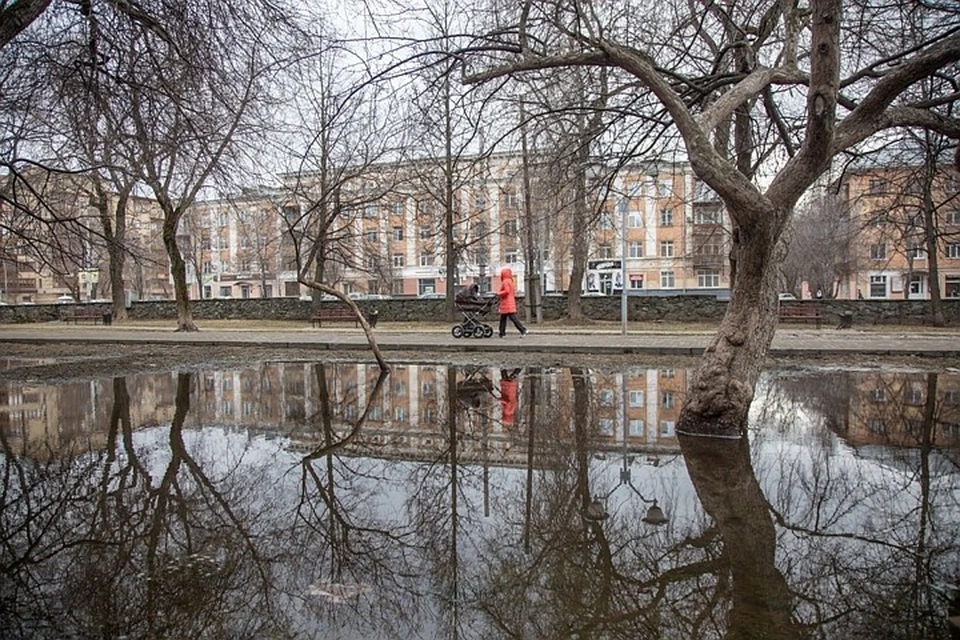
x: 330, y: 500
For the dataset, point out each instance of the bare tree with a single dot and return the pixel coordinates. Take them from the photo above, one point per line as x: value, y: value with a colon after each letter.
x: 819, y: 241
x: 791, y: 51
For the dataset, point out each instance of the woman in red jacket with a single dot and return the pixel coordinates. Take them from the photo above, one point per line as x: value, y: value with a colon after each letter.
x: 508, y: 303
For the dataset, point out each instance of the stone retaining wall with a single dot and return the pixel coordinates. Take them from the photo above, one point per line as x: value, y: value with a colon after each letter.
x: 680, y: 308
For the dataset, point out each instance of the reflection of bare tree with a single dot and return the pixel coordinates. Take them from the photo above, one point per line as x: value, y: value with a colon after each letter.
x: 353, y: 548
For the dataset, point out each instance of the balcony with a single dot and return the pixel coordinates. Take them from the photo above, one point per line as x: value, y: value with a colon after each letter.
x: 708, y: 260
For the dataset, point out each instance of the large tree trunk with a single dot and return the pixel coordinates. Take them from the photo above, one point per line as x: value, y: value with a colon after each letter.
x: 118, y: 255
x: 723, y: 385
x: 178, y: 269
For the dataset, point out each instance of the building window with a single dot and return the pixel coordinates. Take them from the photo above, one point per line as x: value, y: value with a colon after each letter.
x: 396, y: 286
x: 704, y: 215
x: 636, y: 427
x: 207, y: 291
x: 878, y: 186
x: 510, y: 256
x: 426, y: 285
x: 225, y: 292
x: 605, y: 252
x: 666, y: 218
x: 708, y: 278
x: 878, y: 286
x: 666, y: 248
x: 396, y: 208
x: 952, y: 217
x: 635, y: 249
x: 636, y: 398
x: 371, y: 237
x: 916, y: 287
x: 370, y: 211
x: 398, y: 259
x: 667, y: 428
x: 916, y: 252
x: 878, y: 251
x: 605, y: 221
x: 479, y: 201
x: 667, y: 400
x: 951, y: 287
x: 606, y: 426
x: 426, y: 259
x: 953, y: 250
x: 878, y: 394
x: 208, y: 267
x: 667, y: 280
x: 510, y: 200
x: 425, y: 233
x: 636, y: 281
x: 634, y: 220
x: 397, y: 234
x: 510, y: 228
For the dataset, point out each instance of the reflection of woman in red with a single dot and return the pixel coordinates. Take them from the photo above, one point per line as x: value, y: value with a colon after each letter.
x: 508, y: 395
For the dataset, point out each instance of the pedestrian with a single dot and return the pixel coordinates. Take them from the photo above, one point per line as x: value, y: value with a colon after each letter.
x: 508, y: 395
x: 508, y: 303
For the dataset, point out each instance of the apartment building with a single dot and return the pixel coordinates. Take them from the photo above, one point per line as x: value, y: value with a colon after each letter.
x: 52, y: 243
x: 888, y: 252
x: 655, y: 226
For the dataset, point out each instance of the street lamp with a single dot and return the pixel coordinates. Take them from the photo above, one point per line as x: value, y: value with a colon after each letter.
x: 597, y: 510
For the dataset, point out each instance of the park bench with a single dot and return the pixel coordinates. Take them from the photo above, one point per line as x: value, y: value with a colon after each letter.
x: 85, y: 314
x: 340, y: 312
x: 800, y: 313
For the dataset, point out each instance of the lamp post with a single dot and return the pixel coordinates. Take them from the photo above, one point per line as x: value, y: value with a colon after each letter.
x: 624, y: 205
x: 597, y: 511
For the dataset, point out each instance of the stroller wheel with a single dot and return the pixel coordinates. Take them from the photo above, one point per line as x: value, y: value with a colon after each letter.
x: 457, y: 331
x: 487, y: 331
x: 478, y: 331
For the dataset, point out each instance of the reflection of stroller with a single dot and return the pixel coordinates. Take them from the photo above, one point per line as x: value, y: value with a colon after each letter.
x: 473, y: 308
x: 474, y: 389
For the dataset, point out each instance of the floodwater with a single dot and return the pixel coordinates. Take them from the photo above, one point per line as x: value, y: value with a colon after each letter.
x: 294, y: 500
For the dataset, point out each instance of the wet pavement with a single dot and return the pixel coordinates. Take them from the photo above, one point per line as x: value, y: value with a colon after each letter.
x: 437, y: 338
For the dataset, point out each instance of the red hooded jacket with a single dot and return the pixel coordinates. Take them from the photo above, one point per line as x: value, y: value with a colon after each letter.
x: 508, y: 400
x: 507, y: 292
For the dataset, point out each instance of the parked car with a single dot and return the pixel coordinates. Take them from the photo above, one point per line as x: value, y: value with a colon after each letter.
x: 433, y: 295
x: 66, y: 300
x: 787, y: 296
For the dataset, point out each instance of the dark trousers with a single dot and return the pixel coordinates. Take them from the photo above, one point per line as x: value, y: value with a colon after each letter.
x: 516, y: 322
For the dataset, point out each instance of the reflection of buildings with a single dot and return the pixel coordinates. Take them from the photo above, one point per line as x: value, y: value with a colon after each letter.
x: 904, y: 409
x: 46, y: 421
x: 407, y: 420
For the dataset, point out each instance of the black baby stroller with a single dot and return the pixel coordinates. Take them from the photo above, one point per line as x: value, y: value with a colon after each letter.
x: 474, y: 308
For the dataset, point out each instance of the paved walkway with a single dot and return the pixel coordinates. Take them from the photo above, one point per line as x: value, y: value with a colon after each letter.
x: 437, y: 338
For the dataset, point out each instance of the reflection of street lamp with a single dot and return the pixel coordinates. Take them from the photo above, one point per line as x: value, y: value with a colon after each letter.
x: 597, y: 509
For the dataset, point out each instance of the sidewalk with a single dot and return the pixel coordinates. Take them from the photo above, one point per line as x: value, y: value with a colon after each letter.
x: 789, y: 341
